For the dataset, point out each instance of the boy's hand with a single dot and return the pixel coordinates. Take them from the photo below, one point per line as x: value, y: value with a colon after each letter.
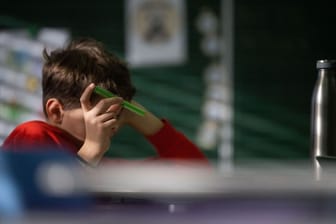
x: 100, y: 125
x: 147, y: 125
x: 128, y: 117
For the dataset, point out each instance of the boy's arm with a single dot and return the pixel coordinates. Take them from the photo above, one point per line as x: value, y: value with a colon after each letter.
x: 169, y: 142
x: 173, y: 144
x: 147, y: 125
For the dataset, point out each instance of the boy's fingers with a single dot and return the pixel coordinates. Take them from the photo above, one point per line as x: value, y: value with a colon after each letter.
x: 116, y: 108
x: 86, y: 95
x: 108, y: 105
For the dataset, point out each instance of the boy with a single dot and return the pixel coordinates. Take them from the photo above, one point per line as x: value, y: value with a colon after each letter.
x: 82, y: 122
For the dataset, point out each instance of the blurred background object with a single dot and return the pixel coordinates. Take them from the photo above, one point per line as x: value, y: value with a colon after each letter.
x: 153, y: 27
x: 274, y: 50
x: 216, y: 128
x: 20, y: 89
x: 20, y: 69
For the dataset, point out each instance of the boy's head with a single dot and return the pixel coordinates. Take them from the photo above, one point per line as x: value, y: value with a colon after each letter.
x: 68, y: 71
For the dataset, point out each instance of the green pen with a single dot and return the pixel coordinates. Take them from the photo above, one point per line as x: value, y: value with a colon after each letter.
x: 125, y: 104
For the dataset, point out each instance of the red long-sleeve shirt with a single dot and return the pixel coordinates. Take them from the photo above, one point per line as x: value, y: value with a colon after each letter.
x: 168, y: 142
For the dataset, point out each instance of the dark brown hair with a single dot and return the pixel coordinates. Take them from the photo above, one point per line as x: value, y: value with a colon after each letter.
x: 68, y: 71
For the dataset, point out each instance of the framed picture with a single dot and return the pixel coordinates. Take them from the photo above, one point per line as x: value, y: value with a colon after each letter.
x: 155, y: 32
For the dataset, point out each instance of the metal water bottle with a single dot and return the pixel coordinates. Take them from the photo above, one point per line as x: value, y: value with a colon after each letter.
x: 323, y: 120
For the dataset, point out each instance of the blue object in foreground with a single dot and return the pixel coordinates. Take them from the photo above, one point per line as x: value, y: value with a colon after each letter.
x: 10, y: 200
x: 42, y: 180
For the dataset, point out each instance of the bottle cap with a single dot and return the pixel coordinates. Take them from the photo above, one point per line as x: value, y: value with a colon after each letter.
x: 325, y: 64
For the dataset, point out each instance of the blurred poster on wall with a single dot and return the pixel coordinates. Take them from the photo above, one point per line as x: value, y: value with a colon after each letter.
x: 20, y: 74
x: 155, y: 32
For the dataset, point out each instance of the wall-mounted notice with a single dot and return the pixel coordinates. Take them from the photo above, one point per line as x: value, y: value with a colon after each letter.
x: 155, y: 32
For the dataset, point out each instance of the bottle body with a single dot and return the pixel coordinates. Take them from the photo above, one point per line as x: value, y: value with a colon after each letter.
x: 323, y: 120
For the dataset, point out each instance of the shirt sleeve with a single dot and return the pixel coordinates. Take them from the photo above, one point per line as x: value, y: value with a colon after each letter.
x: 172, y: 144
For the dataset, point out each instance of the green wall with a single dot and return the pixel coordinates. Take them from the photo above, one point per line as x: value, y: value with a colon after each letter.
x: 276, y: 46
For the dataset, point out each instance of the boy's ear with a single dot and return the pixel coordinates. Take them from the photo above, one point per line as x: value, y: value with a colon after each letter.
x: 54, y: 109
